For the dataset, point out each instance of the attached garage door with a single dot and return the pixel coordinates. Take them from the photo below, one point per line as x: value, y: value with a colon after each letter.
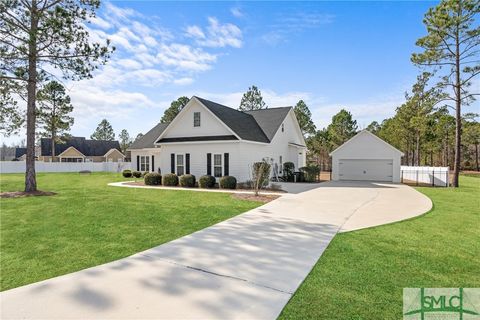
x: 366, y: 169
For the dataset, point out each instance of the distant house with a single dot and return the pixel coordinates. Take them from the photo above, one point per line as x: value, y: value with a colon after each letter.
x: 79, y: 149
x: 20, y: 154
x: 210, y: 138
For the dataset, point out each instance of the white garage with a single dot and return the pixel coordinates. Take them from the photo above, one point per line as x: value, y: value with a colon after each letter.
x: 366, y: 157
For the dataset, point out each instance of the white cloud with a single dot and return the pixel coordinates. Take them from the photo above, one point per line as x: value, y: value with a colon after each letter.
x: 129, y: 63
x: 286, y: 26
x: 183, y: 81
x: 236, y: 12
x: 185, y: 57
x: 195, y: 32
x: 102, y: 23
x: 216, y: 35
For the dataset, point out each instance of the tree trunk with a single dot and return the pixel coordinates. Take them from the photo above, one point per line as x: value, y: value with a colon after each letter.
x: 53, y: 147
x: 458, y: 105
x: 417, y: 151
x: 30, y: 177
x: 476, y: 157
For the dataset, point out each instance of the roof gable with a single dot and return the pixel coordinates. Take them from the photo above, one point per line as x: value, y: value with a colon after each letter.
x: 242, y: 123
x: 364, y: 133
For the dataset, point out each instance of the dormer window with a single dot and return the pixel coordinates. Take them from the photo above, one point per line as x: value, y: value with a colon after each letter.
x: 196, y: 119
x: 283, y: 127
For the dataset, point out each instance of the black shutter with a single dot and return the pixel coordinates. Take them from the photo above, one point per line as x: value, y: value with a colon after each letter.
x: 138, y: 163
x: 187, y: 163
x: 209, y: 164
x: 172, y: 163
x: 152, y: 169
x: 226, y: 166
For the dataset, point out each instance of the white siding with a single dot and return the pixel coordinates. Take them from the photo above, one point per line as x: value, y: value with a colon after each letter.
x: 280, y: 143
x: 147, y: 152
x: 183, y: 124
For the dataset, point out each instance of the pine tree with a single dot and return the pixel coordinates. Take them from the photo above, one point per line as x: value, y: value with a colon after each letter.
x: 37, y: 35
x: 252, y: 100
x: 451, y: 50
x: 104, y: 131
x: 53, y: 112
x: 304, y: 118
x: 125, y: 141
x: 175, y: 107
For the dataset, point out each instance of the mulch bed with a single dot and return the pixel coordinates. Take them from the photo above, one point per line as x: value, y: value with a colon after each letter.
x: 261, y: 197
x: 22, y: 194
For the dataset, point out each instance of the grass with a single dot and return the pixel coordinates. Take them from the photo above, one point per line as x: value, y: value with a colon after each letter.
x: 89, y: 223
x: 361, y: 275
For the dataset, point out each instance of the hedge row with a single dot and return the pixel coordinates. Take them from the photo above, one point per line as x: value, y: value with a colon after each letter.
x: 186, y: 180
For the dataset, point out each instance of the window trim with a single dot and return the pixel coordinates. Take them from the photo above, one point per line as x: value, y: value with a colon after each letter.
x: 199, y: 119
x: 145, y: 163
x: 221, y: 166
x: 183, y: 165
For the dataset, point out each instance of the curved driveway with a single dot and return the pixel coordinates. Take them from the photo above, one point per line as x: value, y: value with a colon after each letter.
x: 244, y: 267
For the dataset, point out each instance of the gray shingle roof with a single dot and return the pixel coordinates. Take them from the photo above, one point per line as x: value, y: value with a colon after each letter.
x: 148, y: 140
x: 259, y: 125
x: 270, y: 119
x: 87, y: 147
x: 244, y: 125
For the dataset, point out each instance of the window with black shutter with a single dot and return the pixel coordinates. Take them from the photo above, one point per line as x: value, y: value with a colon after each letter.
x: 172, y: 163
x: 138, y: 163
x: 153, y: 163
x: 226, y: 164
x: 209, y: 164
x: 187, y: 163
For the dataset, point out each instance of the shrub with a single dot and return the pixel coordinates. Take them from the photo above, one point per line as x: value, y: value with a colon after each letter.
x: 127, y: 173
x: 187, y: 180
x: 153, y: 179
x: 260, y: 175
x: 228, y: 182
x: 288, y: 169
x: 145, y: 173
x: 206, y: 181
x: 136, y: 174
x: 170, y: 179
x: 311, y: 172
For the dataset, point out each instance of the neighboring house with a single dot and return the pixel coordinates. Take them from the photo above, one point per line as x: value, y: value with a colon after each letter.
x: 20, y: 154
x: 366, y: 157
x: 79, y: 149
x: 210, y: 138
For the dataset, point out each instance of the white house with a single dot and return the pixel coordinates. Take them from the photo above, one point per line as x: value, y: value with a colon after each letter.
x: 366, y: 157
x: 210, y: 138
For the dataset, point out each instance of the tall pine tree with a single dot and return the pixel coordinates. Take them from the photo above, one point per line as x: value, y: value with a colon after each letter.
x: 53, y: 112
x: 451, y: 49
x: 104, y: 131
x: 37, y: 35
x: 252, y: 100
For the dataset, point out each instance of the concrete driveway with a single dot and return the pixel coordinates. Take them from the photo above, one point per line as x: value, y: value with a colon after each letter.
x: 246, y: 267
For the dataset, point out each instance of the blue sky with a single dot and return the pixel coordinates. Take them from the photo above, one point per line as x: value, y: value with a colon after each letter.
x: 353, y: 55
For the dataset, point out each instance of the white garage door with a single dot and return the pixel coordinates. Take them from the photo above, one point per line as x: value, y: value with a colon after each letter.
x: 366, y: 169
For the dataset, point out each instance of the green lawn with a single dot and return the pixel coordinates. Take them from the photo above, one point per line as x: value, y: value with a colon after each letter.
x: 88, y: 223
x: 362, y: 274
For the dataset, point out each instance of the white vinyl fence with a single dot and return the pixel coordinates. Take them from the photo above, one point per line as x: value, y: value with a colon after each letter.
x: 19, y: 166
x: 434, y: 176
